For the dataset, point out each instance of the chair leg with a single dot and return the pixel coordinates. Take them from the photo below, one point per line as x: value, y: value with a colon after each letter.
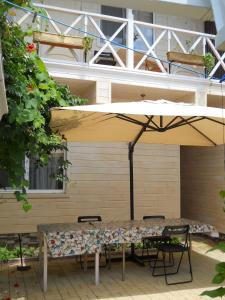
x: 164, y: 267
x: 109, y: 257
x: 154, y: 266
x: 190, y: 267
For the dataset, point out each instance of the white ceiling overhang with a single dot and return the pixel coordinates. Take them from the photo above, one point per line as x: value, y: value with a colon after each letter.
x: 190, y: 8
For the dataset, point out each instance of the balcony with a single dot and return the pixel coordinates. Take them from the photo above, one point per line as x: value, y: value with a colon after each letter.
x: 149, y: 57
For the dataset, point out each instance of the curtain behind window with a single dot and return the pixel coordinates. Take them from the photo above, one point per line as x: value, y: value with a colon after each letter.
x: 41, y: 178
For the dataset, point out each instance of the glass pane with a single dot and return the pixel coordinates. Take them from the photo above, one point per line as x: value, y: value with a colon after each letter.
x: 41, y: 178
x: 110, y: 27
x: 146, y: 17
x: 4, y: 180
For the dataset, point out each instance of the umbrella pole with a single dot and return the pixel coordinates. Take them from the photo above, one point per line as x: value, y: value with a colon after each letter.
x: 131, y: 146
x: 131, y: 168
x: 133, y: 256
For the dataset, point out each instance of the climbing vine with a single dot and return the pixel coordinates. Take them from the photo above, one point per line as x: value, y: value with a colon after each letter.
x: 31, y: 93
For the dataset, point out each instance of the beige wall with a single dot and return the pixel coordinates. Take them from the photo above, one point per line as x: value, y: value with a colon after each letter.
x: 100, y: 185
x: 202, y: 178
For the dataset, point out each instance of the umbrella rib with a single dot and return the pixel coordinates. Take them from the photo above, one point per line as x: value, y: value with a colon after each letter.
x: 170, y: 125
x: 129, y: 119
x: 184, y: 122
x: 200, y: 132
x: 143, y: 129
x: 210, y: 119
x: 156, y: 126
x: 174, y: 119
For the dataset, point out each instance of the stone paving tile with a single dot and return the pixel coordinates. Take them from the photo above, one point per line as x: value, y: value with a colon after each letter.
x: 68, y: 282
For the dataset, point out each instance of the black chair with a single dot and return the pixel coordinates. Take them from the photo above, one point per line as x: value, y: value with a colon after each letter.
x: 90, y: 220
x: 152, y: 241
x: 105, y: 58
x: 174, y: 246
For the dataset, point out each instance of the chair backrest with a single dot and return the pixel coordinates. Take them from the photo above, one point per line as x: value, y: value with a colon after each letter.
x: 160, y: 217
x: 82, y: 219
x: 174, y: 231
x: 105, y: 58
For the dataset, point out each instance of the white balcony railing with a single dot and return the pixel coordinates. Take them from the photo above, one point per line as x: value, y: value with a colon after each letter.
x: 165, y: 39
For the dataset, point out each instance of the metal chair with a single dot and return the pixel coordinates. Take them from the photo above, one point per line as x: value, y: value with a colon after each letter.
x: 152, y: 242
x: 174, y: 246
x: 90, y: 219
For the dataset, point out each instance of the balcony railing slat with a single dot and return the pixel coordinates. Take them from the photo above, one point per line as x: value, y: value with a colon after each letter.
x: 92, y: 22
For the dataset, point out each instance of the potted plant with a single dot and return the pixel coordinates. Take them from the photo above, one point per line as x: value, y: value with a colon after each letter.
x: 87, y: 45
x: 58, y: 40
x: 209, y: 62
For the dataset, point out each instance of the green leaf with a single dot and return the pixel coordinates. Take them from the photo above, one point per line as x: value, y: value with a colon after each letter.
x: 218, y: 278
x: 20, y: 196
x: 222, y: 194
x: 32, y: 103
x: 27, y: 206
x: 220, y: 267
x: 43, y: 86
x: 220, y: 246
x: 220, y: 292
x: 41, y: 65
x: 42, y: 76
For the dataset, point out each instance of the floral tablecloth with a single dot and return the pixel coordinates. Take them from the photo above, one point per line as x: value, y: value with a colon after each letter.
x: 79, y: 238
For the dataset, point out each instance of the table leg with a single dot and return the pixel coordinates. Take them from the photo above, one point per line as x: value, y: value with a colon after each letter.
x: 40, y: 252
x: 45, y: 266
x: 109, y: 253
x: 85, y: 262
x: 123, y: 267
x: 96, y: 268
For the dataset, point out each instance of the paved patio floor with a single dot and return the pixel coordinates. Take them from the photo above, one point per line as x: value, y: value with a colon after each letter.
x: 67, y: 281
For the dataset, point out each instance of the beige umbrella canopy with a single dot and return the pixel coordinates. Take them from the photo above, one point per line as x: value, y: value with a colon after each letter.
x: 162, y: 122
x: 156, y: 122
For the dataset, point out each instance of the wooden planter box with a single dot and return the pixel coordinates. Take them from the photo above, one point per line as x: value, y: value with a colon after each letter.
x: 57, y: 40
x: 183, y: 58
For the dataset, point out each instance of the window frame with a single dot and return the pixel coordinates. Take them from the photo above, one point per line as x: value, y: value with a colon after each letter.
x: 37, y: 191
x: 124, y: 37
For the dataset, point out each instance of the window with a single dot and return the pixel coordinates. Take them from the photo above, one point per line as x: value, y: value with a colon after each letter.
x: 146, y: 17
x: 110, y: 27
x: 40, y: 178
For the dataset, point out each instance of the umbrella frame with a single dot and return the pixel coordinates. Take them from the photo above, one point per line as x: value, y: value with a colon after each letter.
x: 150, y: 125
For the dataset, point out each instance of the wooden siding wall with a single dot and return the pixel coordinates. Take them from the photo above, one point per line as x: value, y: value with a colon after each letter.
x: 100, y: 185
x: 202, y: 178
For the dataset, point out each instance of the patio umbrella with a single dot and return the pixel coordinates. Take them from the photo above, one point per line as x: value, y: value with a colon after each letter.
x: 155, y: 122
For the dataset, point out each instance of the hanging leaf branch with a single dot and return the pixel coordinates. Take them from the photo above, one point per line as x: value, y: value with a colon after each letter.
x: 31, y: 93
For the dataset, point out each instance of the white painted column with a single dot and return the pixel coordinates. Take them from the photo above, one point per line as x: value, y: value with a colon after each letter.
x: 130, y: 38
x: 201, y: 97
x: 103, y: 91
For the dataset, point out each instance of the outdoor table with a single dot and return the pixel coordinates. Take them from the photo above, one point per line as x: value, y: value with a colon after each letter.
x: 69, y: 239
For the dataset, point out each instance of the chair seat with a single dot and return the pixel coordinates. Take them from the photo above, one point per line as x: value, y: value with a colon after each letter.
x: 172, y: 248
